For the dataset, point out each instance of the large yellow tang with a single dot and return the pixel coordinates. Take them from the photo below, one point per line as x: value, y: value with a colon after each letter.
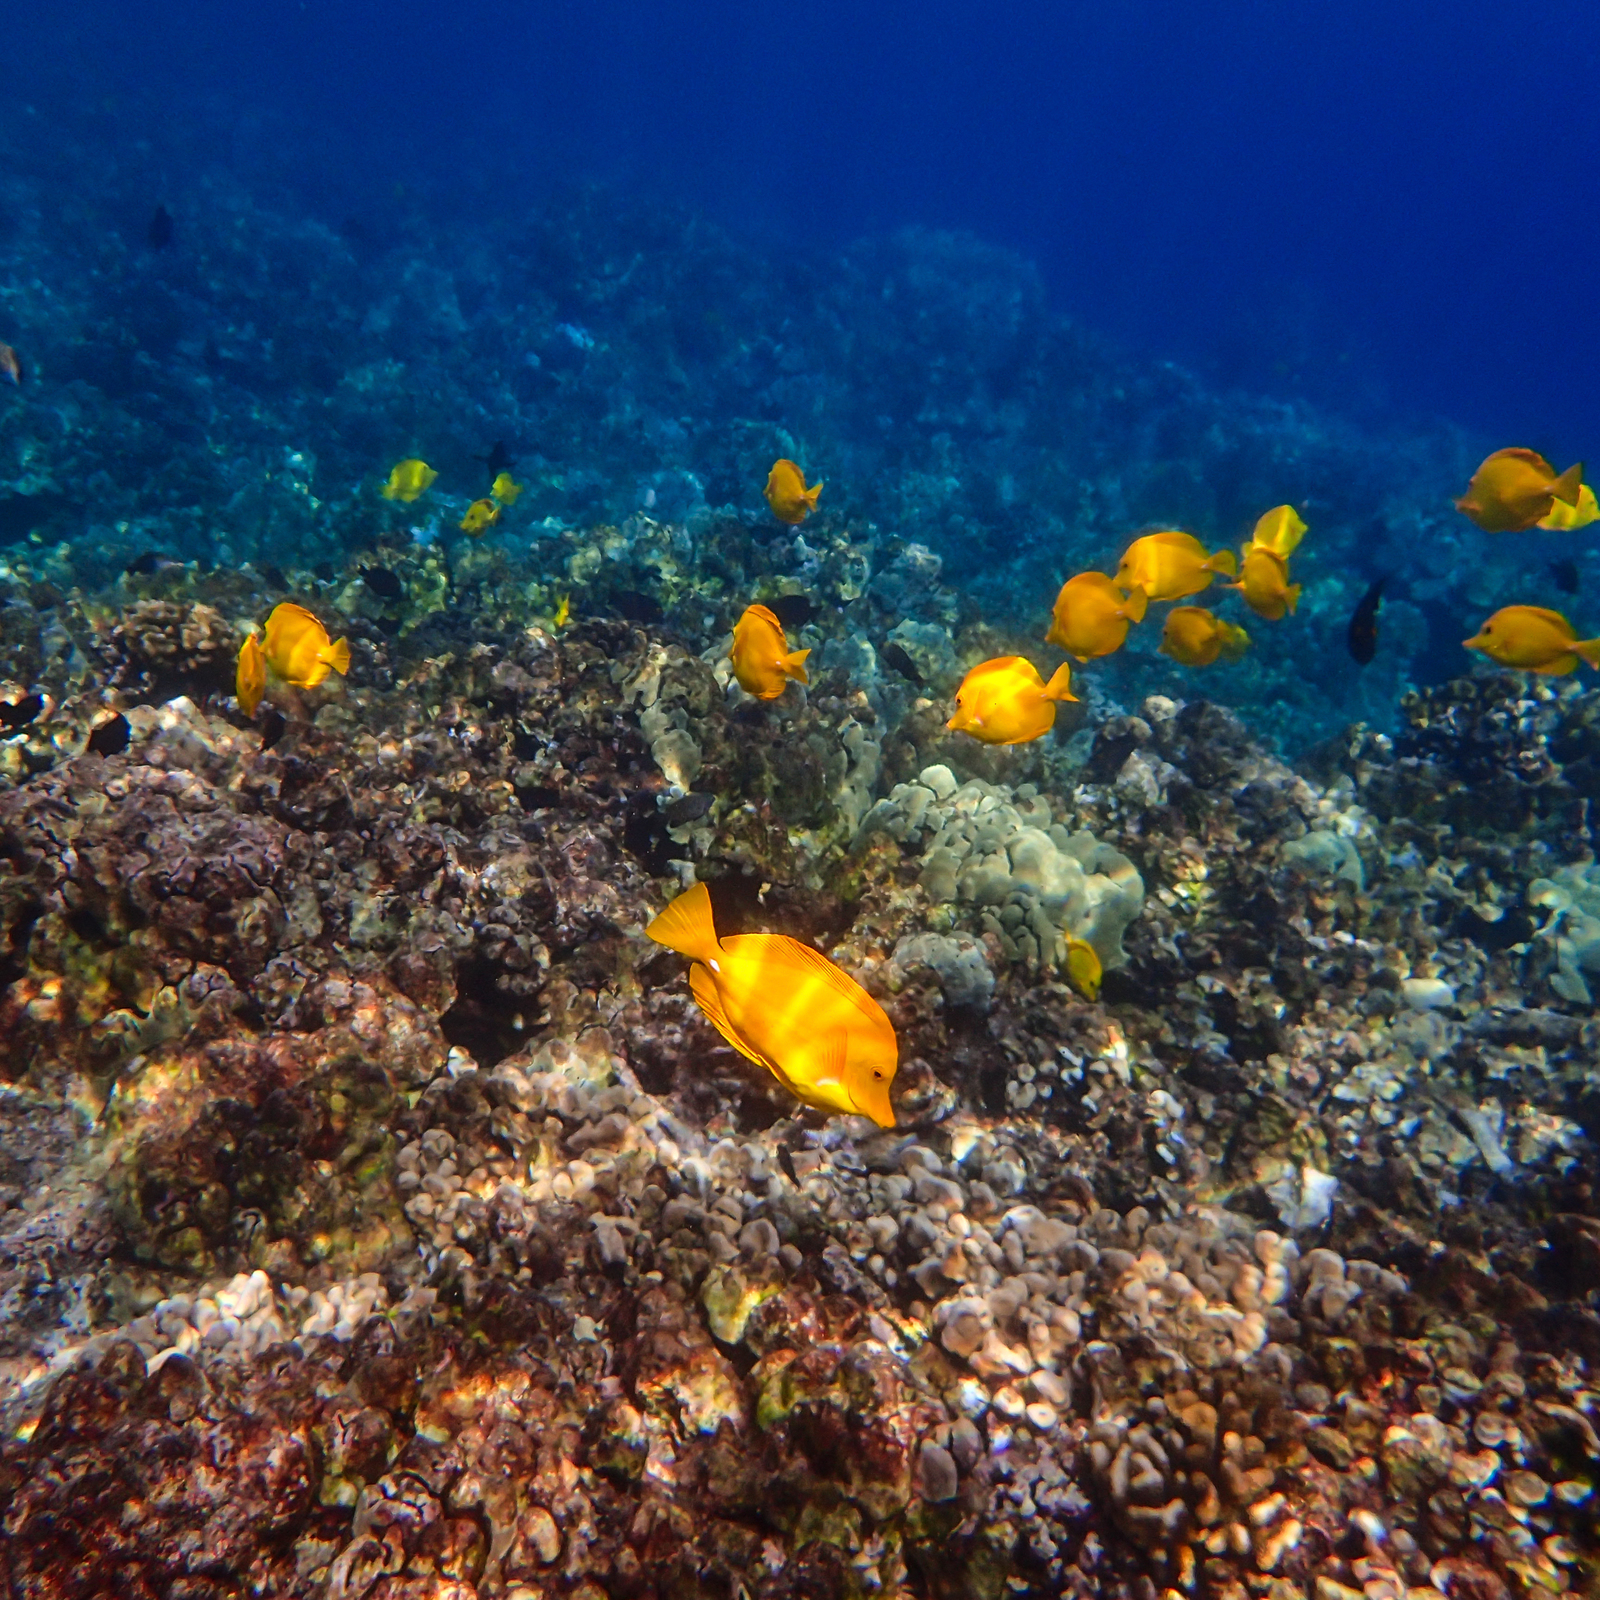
x: 408, y: 479
x: 1513, y: 489
x: 788, y: 1008
x: 1091, y: 616
x: 1279, y: 530
x: 298, y: 649
x: 787, y: 494
x: 1534, y: 639
x: 1171, y: 565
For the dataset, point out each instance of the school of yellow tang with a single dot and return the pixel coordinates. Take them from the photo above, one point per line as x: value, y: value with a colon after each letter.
x: 786, y: 1006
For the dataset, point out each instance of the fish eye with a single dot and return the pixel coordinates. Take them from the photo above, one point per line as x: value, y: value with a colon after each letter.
x: 878, y: 1075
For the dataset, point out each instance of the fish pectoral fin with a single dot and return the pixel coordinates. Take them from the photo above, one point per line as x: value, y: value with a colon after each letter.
x: 704, y: 989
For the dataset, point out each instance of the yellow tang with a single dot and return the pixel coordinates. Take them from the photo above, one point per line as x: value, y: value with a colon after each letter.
x: 250, y: 682
x: 1264, y: 583
x: 481, y: 516
x: 1083, y: 968
x: 1563, y: 518
x: 762, y: 660
x: 1535, y: 640
x: 788, y: 1008
x: 1195, y: 637
x: 505, y: 489
x: 408, y: 479
x: 298, y: 650
x: 1091, y: 616
x: 563, y: 614
x: 1170, y: 565
x: 787, y: 494
x: 1512, y: 489
x: 1005, y: 701
x: 1279, y: 530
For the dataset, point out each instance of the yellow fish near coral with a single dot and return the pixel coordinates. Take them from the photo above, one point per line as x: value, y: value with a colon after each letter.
x: 298, y: 650
x: 250, y: 682
x: 1563, y: 518
x: 1535, y: 640
x: 408, y: 479
x: 787, y: 494
x: 505, y: 489
x: 1264, y: 583
x: 1091, y: 616
x: 1512, y: 489
x: 563, y: 613
x: 1279, y: 530
x: 1083, y: 968
x: 1005, y: 701
x: 1171, y: 565
x: 481, y: 516
x: 762, y: 660
x: 788, y: 1008
x: 1195, y: 637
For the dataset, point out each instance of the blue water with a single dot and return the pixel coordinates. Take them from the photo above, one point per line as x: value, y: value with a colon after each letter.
x: 1377, y: 205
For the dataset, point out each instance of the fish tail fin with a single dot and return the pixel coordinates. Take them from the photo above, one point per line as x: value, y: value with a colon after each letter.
x: 1224, y: 561
x: 1060, y: 684
x: 794, y: 664
x: 686, y: 925
x: 1588, y: 650
x: 338, y: 656
x: 1135, y: 605
x: 1566, y: 487
x: 1292, y: 595
x: 812, y: 493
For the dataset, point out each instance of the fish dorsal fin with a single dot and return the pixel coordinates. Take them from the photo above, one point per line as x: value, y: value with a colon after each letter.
x: 1555, y: 619
x: 765, y: 614
x: 704, y: 989
x: 805, y: 959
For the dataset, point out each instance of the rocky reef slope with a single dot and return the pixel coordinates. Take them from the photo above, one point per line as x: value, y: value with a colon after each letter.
x: 381, y: 1219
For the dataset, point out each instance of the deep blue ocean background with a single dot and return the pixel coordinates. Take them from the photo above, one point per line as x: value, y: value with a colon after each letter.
x: 1371, y: 202
x: 1015, y: 282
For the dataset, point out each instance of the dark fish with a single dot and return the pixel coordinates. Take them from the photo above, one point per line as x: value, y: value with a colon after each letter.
x: 687, y: 808
x: 148, y: 564
x: 633, y: 605
x: 275, y: 577
x: 498, y: 460
x: 1363, y: 635
x: 389, y: 626
x: 160, y: 230
x: 792, y: 610
x: 1565, y: 573
x: 323, y: 572
x: 382, y: 582
x: 894, y: 655
x: 1514, y: 926
x: 111, y: 737
x: 272, y: 725
x: 16, y: 714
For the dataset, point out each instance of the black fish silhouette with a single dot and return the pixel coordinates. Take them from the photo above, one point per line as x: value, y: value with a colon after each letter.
x: 382, y: 582
x: 1565, y: 573
x: 498, y: 460
x: 111, y: 737
x: 150, y: 562
x: 1513, y: 926
x: 894, y: 655
x: 16, y: 714
x: 160, y: 230
x: 1363, y: 635
x: 792, y: 610
x: 687, y: 808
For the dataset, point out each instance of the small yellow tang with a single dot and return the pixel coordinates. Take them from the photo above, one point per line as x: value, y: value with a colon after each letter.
x: 1513, y: 489
x: 1005, y: 701
x: 1535, y: 640
x: 788, y: 1008
x: 1264, y: 583
x: 1563, y: 518
x: 762, y: 660
x: 250, y: 683
x: 481, y: 516
x: 408, y: 479
x: 505, y: 489
x: 1083, y: 968
x: 1279, y: 530
x: 1170, y: 565
x: 563, y: 613
x: 1091, y: 616
x: 298, y: 650
x: 787, y: 494
x: 1195, y: 637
